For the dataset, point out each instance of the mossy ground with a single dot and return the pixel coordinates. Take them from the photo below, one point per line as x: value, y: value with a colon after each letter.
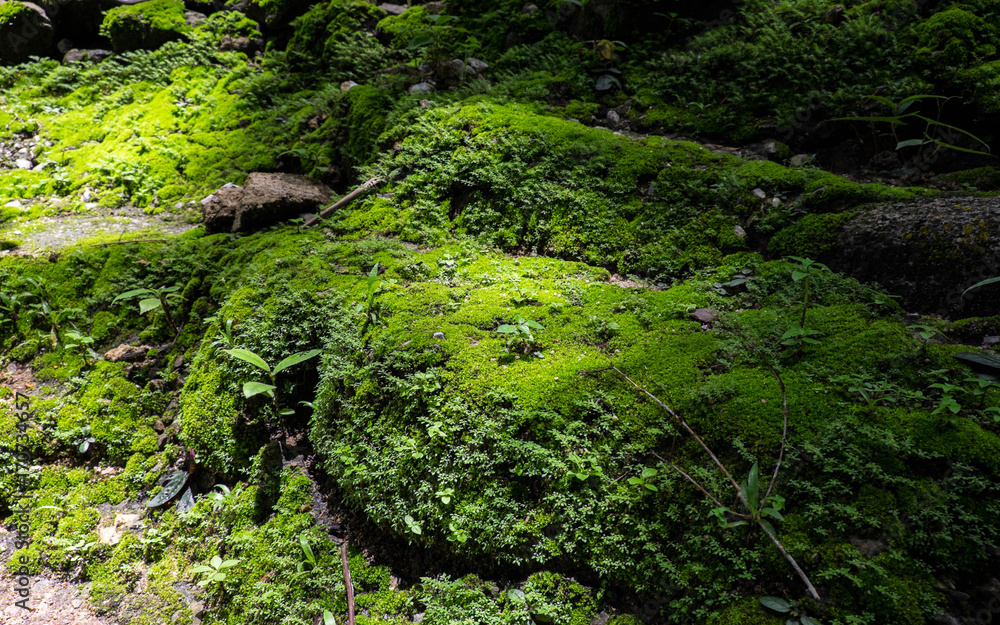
x: 527, y: 480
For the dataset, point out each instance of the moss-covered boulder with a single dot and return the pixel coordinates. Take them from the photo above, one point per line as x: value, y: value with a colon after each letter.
x: 146, y: 26
x: 927, y: 250
x: 25, y: 31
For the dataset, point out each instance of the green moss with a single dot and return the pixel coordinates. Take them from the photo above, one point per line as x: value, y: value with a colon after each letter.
x: 810, y: 237
x: 110, y: 405
x: 144, y: 26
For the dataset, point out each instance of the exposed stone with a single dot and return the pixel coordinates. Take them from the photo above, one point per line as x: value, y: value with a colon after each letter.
x: 246, y: 45
x: 25, y: 31
x: 193, y: 18
x: 393, y: 9
x: 927, y: 251
x: 704, y: 315
x: 347, y: 85
x: 272, y: 198
x: 422, y: 87
x: 127, y: 353
x: 477, y: 66
x: 220, y: 208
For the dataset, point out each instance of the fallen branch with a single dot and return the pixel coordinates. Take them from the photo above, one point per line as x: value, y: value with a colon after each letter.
x: 347, y: 582
x: 754, y: 515
x: 343, y: 201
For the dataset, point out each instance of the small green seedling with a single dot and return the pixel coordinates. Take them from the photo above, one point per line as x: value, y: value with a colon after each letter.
x: 644, y: 481
x: 445, y: 495
x: 154, y: 299
x: 308, y: 554
x: 214, y: 572
x: 412, y: 525
x: 85, y: 440
x: 519, y: 333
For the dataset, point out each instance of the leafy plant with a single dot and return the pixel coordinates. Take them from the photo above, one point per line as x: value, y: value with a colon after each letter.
x: 214, y: 573
x: 170, y: 489
x: 85, y: 439
x: 644, y: 480
x: 783, y: 606
x: 254, y: 388
x: 803, y: 270
x: 445, y: 495
x: 307, y: 553
x: 898, y: 116
x: 520, y: 336
x: 926, y: 333
x: 412, y: 525
x: 948, y: 407
x: 155, y: 299
x: 219, y: 496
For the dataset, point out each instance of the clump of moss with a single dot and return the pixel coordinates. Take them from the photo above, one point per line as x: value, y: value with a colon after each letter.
x: 145, y: 26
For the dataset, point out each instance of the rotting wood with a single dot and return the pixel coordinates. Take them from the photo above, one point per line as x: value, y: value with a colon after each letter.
x: 343, y: 201
x: 347, y: 583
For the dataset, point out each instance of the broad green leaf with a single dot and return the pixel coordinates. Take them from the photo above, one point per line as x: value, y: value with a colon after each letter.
x: 775, y: 603
x: 634, y: 480
x: 287, y: 412
x: 186, y: 502
x: 216, y: 561
x: 201, y: 568
x: 771, y: 512
x: 170, y: 489
x: 514, y: 593
x: 204, y: 582
x: 507, y: 329
x: 219, y: 577
x: 648, y: 473
x: 798, y: 275
x: 909, y: 143
x: 372, y: 277
x: 981, y: 283
x: 256, y: 388
x: 147, y: 305
x: 248, y: 356
x: 170, y: 289
x: 295, y: 359
x: 767, y: 525
x: 229, y: 563
x: 805, y: 620
x: 652, y: 487
x: 753, y: 486
x: 419, y: 42
x: 534, y: 324
x: 328, y: 618
x: 84, y: 446
x: 307, y: 549
x: 132, y: 293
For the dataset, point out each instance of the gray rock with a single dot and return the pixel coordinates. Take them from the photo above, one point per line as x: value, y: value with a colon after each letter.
x: 347, y: 85
x: 23, y: 163
x: 740, y: 232
x: 268, y: 199
x: 220, y: 208
x: 704, y: 315
x: 800, y: 160
x: 530, y: 9
x: 478, y: 66
x: 438, y: 335
x: 193, y: 18
x: 246, y: 45
x: 926, y: 250
x: 393, y: 9
x: 79, y: 56
x: 422, y: 87
x: 759, y: 194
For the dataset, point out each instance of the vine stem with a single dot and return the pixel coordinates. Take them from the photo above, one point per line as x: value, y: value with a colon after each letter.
x: 739, y: 492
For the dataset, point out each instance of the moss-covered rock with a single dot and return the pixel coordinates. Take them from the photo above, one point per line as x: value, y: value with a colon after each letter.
x: 25, y: 31
x: 145, y: 26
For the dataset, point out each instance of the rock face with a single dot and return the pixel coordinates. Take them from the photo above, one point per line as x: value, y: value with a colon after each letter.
x: 265, y: 200
x: 25, y: 30
x: 927, y: 251
x: 272, y: 198
x: 220, y: 208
